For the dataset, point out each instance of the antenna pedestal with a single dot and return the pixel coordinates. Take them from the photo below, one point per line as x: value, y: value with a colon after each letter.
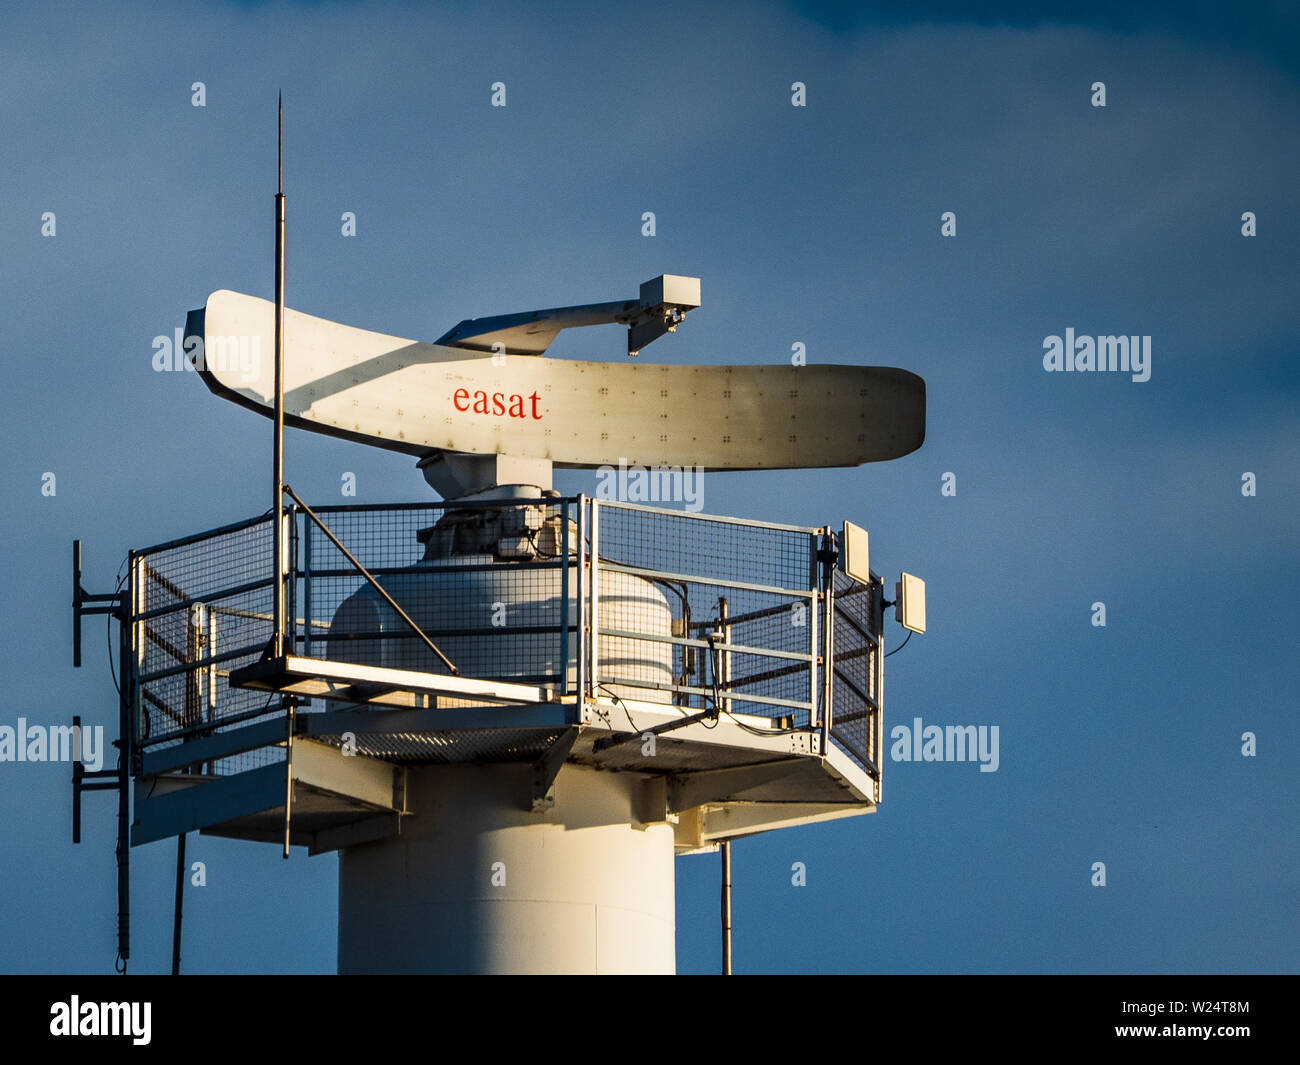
x: 477, y: 884
x: 453, y: 474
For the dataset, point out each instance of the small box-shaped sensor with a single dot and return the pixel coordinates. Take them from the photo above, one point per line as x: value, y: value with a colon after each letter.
x: 672, y: 290
x: 909, y: 602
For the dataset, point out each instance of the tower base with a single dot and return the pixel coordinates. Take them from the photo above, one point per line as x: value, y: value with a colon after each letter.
x: 477, y: 884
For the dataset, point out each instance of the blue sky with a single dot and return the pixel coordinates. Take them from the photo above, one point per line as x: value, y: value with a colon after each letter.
x: 819, y: 225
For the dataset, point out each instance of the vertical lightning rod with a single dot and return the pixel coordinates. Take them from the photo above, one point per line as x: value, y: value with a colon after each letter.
x: 277, y: 640
x: 281, y: 555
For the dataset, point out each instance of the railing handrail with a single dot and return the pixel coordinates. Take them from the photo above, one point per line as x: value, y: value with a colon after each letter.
x: 448, y: 504
x: 772, y: 676
x: 675, y: 513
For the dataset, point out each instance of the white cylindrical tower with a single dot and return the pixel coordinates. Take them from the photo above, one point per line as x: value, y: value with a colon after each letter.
x: 476, y: 884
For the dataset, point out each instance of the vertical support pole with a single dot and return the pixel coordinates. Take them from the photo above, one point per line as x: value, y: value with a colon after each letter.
x: 213, y: 672
x: 724, y: 657
x: 291, y: 571
x: 726, y: 907
x: 306, y: 588
x: 209, y: 708
x: 128, y: 655
x: 277, y: 504
x: 878, y: 617
x: 828, y: 646
x: 76, y: 604
x: 580, y: 652
x: 594, y: 678
x: 195, y: 626
x: 564, y: 597
x: 812, y: 637
x: 288, y: 776
x: 138, y: 593
x: 77, y: 770
x: 176, y: 909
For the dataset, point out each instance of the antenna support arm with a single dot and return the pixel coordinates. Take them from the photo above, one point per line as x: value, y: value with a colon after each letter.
x: 659, y: 309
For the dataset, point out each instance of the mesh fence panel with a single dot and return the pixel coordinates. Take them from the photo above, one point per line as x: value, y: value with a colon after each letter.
x: 855, y: 723
x: 203, y: 607
x: 691, y: 595
x: 484, y: 583
x: 780, y: 626
x: 707, y: 548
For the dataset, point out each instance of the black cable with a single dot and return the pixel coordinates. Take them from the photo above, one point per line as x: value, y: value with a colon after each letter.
x: 532, y: 536
x: 714, y: 664
x: 108, y: 628
x: 900, y: 646
x: 762, y: 731
x: 619, y: 703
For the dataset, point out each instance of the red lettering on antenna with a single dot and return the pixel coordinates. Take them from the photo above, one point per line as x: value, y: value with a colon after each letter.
x: 497, y: 404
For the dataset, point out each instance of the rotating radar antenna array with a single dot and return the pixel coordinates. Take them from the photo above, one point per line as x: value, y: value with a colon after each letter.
x: 485, y: 400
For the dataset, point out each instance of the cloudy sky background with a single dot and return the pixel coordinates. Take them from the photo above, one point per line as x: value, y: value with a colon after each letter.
x: 817, y: 224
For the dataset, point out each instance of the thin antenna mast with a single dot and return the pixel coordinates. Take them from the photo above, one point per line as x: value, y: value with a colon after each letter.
x: 277, y: 504
x: 281, y: 555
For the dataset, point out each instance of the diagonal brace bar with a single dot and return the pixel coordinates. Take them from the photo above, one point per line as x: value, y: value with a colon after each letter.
x: 373, y: 583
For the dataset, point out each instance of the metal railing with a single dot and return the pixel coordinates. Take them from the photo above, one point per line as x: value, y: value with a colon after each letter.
x: 200, y: 607
x: 604, y: 599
